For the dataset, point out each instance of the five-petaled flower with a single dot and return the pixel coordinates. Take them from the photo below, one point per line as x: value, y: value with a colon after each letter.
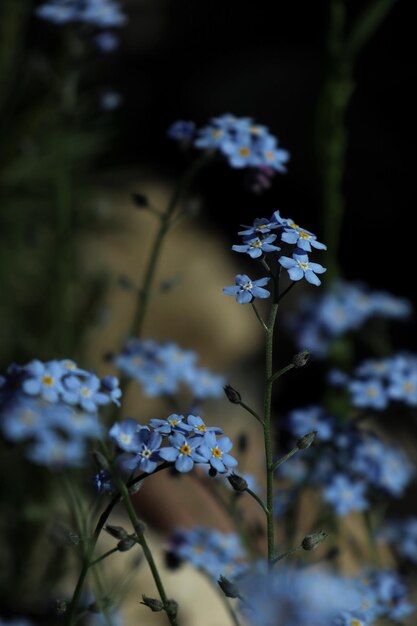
x: 246, y: 289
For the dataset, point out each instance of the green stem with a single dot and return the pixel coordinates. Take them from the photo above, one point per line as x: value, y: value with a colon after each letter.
x: 262, y: 323
x: 258, y: 500
x: 282, y: 371
x: 103, y: 556
x: 145, y: 292
x: 268, y: 433
x: 284, y: 458
x: 124, y: 492
x: 232, y: 614
x: 285, y: 554
x: 251, y: 411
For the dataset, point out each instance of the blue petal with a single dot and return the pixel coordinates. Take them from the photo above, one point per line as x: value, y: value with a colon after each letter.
x: 184, y: 463
x: 168, y: 454
x: 296, y: 273
x: 286, y: 262
x: 258, y: 292
x: 312, y: 278
x: 217, y: 464
x: 244, y: 297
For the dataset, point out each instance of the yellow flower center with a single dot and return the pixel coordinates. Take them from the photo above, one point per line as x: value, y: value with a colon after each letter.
x: 269, y: 155
x: 303, y: 265
x: 216, y: 134
x: 69, y: 365
x: 304, y: 235
x: 371, y: 392
x: 408, y: 387
x: 216, y: 452
x: 48, y: 380
x: 173, y: 422
x: 355, y: 622
x: 126, y: 438
x: 244, y: 151
x: 255, y: 130
x: 85, y: 392
x: 293, y: 224
x: 185, y: 449
x: 256, y: 244
x: 201, y: 428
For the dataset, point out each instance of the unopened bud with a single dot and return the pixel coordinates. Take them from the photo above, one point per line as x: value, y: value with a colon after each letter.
x: 140, y: 528
x: 232, y: 395
x: 238, y: 482
x: 126, y: 544
x: 116, y: 531
x: 306, y: 441
x: 229, y: 589
x: 310, y: 542
x: 301, y: 359
x: 212, y: 472
x: 154, y: 604
x: 172, y: 608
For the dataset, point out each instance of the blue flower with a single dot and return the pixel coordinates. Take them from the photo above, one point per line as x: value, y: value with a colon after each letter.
x: 309, y: 419
x: 296, y: 596
x: 260, y: 226
x: 125, y: 434
x: 368, y: 394
x: 345, y: 495
x: 402, y: 535
x: 198, y: 427
x: 255, y: 246
x: 43, y: 379
x: 403, y: 387
x: 215, y: 451
x: 303, y: 239
x: 300, y: 267
x: 58, y: 11
x: 172, y: 423
x: 54, y: 451
x: 246, y: 289
x: 181, y: 131
x: 103, y: 13
x: 214, y: 552
x: 389, y: 594
x: 106, y: 41
x: 183, y: 452
x: 103, y: 483
x: 85, y: 392
x: 110, y: 100
x: 204, y: 384
x: 146, y: 454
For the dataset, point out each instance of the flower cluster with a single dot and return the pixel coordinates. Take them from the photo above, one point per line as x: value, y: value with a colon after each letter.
x: 213, y: 552
x: 317, y: 597
x: 189, y: 441
x: 240, y: 140
x: 346, y: 307
x: 376, y: 383
x: 162, y: 368
x: 402, y: 535
x: 101, y: 14
x: 260, y: 241
x: 350, y: 465
x: 53, y: 406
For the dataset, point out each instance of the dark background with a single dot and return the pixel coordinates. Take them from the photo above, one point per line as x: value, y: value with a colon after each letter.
x: 188, y: 60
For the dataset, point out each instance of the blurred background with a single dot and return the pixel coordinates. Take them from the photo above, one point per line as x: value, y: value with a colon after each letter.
x: 83, y: 128
x: 66, y: 149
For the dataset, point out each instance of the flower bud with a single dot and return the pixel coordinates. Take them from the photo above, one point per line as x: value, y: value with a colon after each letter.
x: 118, y: 532
x: 238, y: 482
x: 229, y: 589
x: 154, y: 604
x: 172, y: 608
x: 126, y: 544
x: 310, y: 542
x: 232, y: 395
x: 301, y: 358
x: 306, y: 441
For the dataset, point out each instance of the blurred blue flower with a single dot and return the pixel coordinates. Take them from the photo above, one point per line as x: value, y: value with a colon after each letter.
x: 345, y: 495
x: 246, y: 290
